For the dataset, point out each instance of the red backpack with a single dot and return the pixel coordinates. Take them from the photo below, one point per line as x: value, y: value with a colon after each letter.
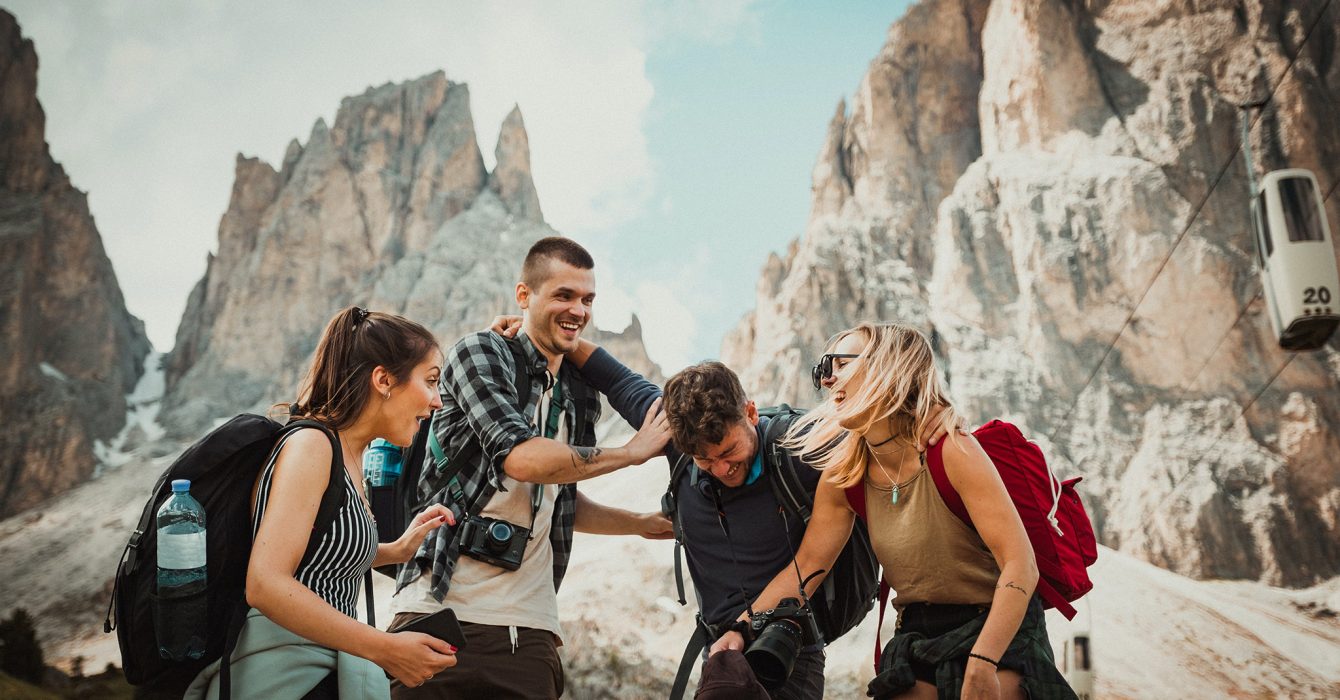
x: 1057, y: 525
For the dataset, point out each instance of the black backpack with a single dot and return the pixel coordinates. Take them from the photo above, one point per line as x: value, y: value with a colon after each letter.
x: 222, y: 467
x: 849, y: 591
x: 394, y: 506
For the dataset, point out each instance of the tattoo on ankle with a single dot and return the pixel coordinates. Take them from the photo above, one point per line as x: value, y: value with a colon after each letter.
x: 583, y: 458
x: 1011, y: 584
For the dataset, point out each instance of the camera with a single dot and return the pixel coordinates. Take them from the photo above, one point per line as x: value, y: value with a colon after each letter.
x: 779, y: 634
x: 493, y: 541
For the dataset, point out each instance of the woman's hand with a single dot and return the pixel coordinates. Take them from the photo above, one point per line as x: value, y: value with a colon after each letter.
x: 430, y: 519
x: 730, y: 641
x: 506, y: 326
x: 979, y: 681
x: 413, y: 657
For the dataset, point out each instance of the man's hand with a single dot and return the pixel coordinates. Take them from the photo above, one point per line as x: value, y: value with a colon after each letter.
x: 935, y: 430
x: 730, y: 641
x: 506, y: 326
x: 652, y: 437
x: 654, y: 526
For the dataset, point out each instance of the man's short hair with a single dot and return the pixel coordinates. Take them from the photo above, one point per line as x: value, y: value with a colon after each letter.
x: 535, y: 270
x: 703, y: 403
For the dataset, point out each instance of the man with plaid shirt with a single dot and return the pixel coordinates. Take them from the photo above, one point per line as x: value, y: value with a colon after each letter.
x: 518, y: 464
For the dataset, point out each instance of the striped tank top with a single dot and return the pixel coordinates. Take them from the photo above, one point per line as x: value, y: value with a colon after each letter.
x: 336, y: 567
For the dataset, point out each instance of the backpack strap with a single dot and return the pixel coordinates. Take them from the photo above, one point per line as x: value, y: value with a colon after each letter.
x: 701, y: 632
x: 879, y: 627
x: 670, y: 508
x: 582, y: 398
x: 935, y: 463
x: 692, y: 652
x: 449, y: 467
x: 334, y: 497
x: 236, y: 620
x: 790, y: 492
x: 856, y: 499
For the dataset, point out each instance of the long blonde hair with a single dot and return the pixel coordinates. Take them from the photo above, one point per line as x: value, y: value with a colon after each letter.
x: 899, y: 384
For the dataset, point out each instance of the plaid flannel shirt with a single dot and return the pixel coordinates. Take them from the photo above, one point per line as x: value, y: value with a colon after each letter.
x: 479, y: 404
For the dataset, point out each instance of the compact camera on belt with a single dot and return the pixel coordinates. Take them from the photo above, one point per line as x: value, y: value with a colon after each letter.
x: 494, y: 541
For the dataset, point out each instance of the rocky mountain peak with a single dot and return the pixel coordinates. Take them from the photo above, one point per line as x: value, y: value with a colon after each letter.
x: 72, y: 351
x: 511, y: 178
x: 390, y: 208
x: 1052, y: 191
x: 24, y: 161
x: 830, y: 181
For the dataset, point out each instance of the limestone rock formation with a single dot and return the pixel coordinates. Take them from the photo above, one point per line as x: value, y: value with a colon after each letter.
x: 390, y: 208
x: 511, y: 179
x: 71, y: 350
x: 882, y: 171
x: 1056, y: 196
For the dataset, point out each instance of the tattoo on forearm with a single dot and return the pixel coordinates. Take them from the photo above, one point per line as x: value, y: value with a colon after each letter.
x: 1011, y: 584
x: 583, y: 458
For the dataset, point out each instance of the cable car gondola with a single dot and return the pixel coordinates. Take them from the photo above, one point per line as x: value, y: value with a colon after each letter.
x: 1076, y: 665
x: 1297, y: 260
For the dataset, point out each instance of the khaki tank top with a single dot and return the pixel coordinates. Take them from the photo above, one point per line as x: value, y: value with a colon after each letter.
x: 928, y: 554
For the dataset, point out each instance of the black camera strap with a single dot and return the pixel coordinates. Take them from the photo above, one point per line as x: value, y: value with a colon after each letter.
x: 735, y: 562
x: 725, y: 529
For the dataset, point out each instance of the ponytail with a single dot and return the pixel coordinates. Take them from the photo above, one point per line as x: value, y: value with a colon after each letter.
x: 338, y: 384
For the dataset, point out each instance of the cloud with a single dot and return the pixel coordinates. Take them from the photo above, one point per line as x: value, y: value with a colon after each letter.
x: 663, y: 299
x: 148, y: 102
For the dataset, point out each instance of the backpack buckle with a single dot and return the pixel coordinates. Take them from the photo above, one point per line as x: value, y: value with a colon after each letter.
x: 668, y: 504
x: 135, y: 538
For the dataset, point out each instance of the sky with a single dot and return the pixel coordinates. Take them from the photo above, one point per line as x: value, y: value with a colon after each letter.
x: 673, y: 139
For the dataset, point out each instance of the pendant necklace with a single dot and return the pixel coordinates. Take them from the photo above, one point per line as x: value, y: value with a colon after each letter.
x: 893, y: 495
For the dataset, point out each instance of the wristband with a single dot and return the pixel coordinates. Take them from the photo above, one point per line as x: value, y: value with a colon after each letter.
x: 989, y: 660
x: 741, y: 626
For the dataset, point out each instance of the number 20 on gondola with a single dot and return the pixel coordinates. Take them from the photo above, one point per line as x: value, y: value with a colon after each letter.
x: 1297, y: 260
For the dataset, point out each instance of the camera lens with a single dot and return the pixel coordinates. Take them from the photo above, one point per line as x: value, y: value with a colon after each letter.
x: 500, y: 534
x: 773, y: 654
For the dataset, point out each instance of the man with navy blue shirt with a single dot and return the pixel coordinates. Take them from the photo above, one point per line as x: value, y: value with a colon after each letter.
x: 714, y: 424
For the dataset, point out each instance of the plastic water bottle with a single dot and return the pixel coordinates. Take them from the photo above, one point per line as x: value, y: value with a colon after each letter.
x: 182, y: 607
x: 381, y: 463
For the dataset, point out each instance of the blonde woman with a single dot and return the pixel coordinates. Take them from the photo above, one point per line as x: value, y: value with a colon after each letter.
x: 968, y: 622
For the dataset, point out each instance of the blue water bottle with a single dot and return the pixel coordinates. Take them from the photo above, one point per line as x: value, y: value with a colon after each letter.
x: 181, y: 613
x: 381, y: 463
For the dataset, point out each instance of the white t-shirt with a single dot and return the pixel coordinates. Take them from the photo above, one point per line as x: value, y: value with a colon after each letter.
x: 486, y: 594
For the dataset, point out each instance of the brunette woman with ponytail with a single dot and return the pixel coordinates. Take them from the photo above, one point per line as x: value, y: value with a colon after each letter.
x: 969, y: 624
x: 373, y: 375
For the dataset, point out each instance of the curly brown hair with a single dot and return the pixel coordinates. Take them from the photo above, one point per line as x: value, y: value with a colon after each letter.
x: 702, y: 403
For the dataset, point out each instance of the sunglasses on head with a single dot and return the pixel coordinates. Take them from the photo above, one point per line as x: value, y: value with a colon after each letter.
x: 824, y: 369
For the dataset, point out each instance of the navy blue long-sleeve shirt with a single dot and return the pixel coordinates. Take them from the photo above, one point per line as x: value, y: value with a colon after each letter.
x: 759, y: 527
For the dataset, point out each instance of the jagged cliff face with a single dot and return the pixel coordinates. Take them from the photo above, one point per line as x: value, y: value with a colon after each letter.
x: 391, y: 208
x: 1092, y: 143
x: 883, y: 169
x: 71, y: 350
